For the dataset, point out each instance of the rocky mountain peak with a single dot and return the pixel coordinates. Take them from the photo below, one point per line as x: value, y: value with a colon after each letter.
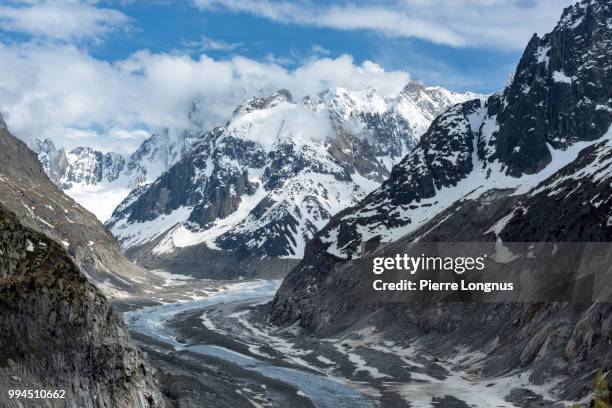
x: 557, y: 102
x: 345, y: 104
x: 54, y: 161
x: 413, y: 88
x: 559, y: 93
x: 45, y: 145
x: 575, y: 14
x: 264, y: 102
x: 81, y: 165
x: 532, y: 163
x: 195, y: 113
x: 100, y: 181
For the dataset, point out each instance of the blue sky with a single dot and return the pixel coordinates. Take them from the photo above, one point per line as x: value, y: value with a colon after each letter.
x: 87, y: 71
x: 179, y: 28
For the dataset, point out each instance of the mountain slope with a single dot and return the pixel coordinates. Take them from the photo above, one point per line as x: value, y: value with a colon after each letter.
x: 531, y: 164
x: 264, y: 183
x: 26, y: 191
x: 58, y: 331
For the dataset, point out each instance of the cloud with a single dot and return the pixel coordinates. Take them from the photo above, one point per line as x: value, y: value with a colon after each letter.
x: 62, y: 92
x: 317, y: 49
x: 211, y: 44
x: 280, y: 60
x: 504, y: 24
x: 124, y: 134
x: 65, y: 20
x: 79, y: 134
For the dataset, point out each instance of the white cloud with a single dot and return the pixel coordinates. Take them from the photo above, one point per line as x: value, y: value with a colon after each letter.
x: 317, y: 49
x: 124, y: 134
x: 505, y: 24
x: 62, y: 92
x: 79, y: 134
x: 280, y: 60
x: 66, y: 20
x: 52, y: 88
x: 210, y: 44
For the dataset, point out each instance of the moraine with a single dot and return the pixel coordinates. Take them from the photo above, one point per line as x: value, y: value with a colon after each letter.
x: 321, y: 390
x: 224, y: 329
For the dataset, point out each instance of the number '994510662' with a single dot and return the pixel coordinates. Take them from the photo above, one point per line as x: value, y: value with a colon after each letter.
x: 37, y: 394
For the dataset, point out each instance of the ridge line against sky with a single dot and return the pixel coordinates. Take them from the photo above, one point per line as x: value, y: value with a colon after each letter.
x: 105, y: 73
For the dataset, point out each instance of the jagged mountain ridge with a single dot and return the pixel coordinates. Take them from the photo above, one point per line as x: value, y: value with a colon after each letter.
x: 262, y: 185
x: 100, y: 181
x: 59, y: 332
x: 533, y: 163
x: 82, y: 165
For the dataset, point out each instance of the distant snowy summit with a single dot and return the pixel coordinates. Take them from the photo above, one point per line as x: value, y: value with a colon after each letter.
x: 263, y: 184
x: 100, y: 181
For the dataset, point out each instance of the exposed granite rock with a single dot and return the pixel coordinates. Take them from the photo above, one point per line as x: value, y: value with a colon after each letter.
x: 57, y: 331
x: 559, y: 98
x: 82, y: 165
x: 569, y: 71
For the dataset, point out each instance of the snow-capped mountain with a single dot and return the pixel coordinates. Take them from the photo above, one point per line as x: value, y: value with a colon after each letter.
x: 557, y: 104
x: 414, y: 107
x: 82, y: 165
x: 264, y: 183
x: 100, y: 181
x: 532, y: 163
x: 164, y: 148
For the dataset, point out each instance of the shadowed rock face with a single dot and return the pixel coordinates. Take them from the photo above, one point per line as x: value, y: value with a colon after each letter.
x: 560, y: 92
x: 26, y: 190
x: 57, y: 331
x: 538, y: 153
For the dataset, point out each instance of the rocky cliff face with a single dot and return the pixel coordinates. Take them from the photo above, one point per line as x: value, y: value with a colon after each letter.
x: 264, y: 183
x: 531, y: 164
x: 26, y: 190
x: 57, y: 331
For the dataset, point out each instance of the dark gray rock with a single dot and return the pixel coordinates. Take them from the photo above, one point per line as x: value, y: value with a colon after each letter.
x: 569, y: 70
x: 58, y: 332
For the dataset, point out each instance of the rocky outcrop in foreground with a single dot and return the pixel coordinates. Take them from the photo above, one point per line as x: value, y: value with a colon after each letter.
x: 58, y: 332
